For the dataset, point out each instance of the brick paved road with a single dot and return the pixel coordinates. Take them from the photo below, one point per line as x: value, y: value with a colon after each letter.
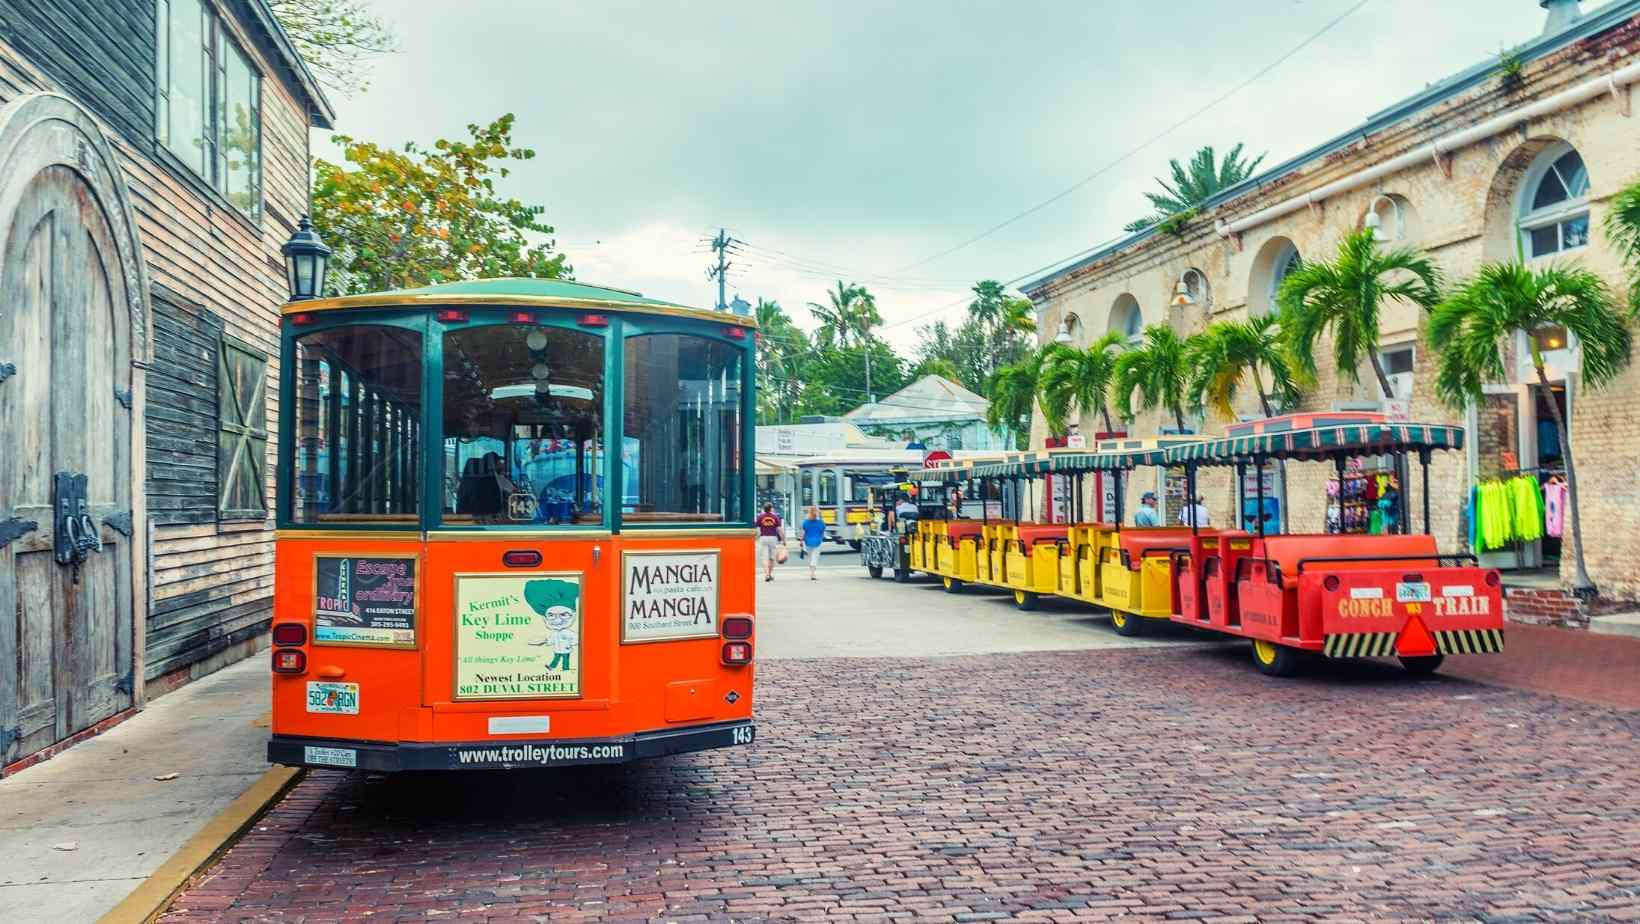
x: 1170, y: 783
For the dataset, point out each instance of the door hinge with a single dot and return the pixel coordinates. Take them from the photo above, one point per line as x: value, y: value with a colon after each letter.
x: 123, y: 396
x: 123, y: 685
x: 15, y: 528
x: 119, y: 522
x: 7, y: 370
x: 9, y: 737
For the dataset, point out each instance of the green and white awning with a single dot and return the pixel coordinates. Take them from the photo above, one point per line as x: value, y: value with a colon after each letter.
x: 1359, y: 439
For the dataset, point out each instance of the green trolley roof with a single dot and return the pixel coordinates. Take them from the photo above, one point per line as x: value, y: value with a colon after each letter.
x: 521, y: 292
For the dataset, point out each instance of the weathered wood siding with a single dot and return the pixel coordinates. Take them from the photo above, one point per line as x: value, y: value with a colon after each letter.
x: 101, y: 53
x: 212, y: 270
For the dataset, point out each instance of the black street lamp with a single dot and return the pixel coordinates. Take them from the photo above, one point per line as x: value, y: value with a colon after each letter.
x: 305, y: 262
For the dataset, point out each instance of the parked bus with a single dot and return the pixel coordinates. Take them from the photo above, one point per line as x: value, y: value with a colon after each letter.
x: 514, y: 529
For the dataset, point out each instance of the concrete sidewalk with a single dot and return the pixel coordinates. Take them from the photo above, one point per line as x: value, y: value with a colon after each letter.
x: 80, y: 831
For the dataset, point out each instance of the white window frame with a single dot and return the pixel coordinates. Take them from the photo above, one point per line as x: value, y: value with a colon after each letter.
x: 1410, y: 347
x: 1558, y: 215
x: 219, y: 41
x: 1280, y: 268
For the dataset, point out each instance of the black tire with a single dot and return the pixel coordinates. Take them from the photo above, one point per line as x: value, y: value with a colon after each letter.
x: 952, y: 585
x: 875, y: 571
x: 1127, y: 624
x: 902, y: 576
x: 1424, y: 665
x: 1274, y: 660
x: 1026, y: 600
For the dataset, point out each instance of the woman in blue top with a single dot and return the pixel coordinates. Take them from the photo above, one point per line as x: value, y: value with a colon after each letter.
x: 814, y: 534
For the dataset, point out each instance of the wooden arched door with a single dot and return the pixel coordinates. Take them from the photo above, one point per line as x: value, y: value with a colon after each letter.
x: 68, y: 566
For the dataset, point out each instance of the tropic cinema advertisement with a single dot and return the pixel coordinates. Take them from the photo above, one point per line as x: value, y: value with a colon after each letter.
x: 669, y: 595
x: 517, y: 637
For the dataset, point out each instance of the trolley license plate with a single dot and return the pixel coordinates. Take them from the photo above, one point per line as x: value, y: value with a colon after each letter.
x: 1412, y: 592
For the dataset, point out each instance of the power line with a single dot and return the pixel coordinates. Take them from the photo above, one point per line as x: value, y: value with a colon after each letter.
x: 1262, y: 72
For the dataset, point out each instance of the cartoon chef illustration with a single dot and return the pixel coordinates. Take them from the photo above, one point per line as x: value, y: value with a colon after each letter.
x: 556, y: 603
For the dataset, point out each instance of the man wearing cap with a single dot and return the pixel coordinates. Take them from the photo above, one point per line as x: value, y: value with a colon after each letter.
x: 1146, y: 515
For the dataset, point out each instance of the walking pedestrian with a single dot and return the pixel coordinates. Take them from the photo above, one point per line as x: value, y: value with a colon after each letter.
x: 814, y: 535
x: 771, y: 536
x: 1194, y: 514
x: 1147, y: 514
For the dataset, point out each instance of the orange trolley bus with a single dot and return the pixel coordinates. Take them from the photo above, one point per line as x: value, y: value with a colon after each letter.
x: 514, y: 529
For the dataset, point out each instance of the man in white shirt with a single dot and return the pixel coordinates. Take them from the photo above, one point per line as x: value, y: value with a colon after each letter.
x: 1194, y: 514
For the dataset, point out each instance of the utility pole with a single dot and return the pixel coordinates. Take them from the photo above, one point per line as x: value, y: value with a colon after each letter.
x: 721, y: 245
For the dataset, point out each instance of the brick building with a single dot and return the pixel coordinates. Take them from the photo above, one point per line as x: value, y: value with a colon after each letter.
x: 1474, y: 168
x: 153, y: 159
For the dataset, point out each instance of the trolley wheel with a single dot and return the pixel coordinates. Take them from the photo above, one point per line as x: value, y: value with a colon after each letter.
x: 902, y: 576
x: 854, y: 544
x: 1127, y: 624
x: 1424, y: 665
x: 875, y: 571
x: 1025, y: 600
x: 1274, y: 660
x: 952, y: 585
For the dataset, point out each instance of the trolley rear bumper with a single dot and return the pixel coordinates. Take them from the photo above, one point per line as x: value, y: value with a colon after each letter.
x: 332, y: 754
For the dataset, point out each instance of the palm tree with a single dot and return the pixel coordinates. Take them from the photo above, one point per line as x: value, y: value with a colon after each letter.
x: 780, y: 348
x: 1623, y: 232
x: 849, y: 318
x: 1159, y: 370
x: 1470, y: 328
x: 1344, y: 297
x: 1229, y: 353
x: 1012, y: 390
x: 1192, y: 186
x: 1078, y: 379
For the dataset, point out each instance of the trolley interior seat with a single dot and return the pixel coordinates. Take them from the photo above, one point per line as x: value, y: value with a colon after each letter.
x: 1390, y: 551
x: 1034, y: 533
x: 959, y: 530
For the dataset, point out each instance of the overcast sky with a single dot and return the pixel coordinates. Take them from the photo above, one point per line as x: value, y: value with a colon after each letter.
x: 855, y: 140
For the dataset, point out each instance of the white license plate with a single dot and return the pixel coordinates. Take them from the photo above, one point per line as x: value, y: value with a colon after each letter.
x: 330, y: 757
x: 1366, y: 593
x: 1458, y: 590
x: 333, y: 698
x: 1412, y: 592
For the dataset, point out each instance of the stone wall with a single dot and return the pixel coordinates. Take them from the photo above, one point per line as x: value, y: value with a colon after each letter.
x: 1462, y: 220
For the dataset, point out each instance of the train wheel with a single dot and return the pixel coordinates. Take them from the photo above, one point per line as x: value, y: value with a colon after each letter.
x: 1127, y: 624
x: 952, y: 585
x: 902, y: 576
x: 1025, y: 600
x: 1423, y: 666
x: 1274, y: 660
x: 875, y: 571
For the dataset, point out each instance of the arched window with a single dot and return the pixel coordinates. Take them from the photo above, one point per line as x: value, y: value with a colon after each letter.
x: 1126, y: 318
x: 1390, y: 217
x: 1073, y: 326
x: 1554, y: 204
x: 1287, y: 262
x: 1276, y: 260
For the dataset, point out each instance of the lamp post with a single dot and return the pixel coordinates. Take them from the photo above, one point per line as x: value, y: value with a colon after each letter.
x: 306, y: 261
x: 1064, y: 335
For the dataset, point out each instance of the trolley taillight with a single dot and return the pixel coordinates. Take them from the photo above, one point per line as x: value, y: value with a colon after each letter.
x: 737, y: 653
x: 290, y: 633
x: 737, y: 627
x: 289, y: 661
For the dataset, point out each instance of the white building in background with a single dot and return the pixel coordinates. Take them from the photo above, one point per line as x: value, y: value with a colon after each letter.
x: 934, y: 412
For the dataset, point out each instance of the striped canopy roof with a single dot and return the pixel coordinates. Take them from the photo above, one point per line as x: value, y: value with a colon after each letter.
x: 1321, y: 441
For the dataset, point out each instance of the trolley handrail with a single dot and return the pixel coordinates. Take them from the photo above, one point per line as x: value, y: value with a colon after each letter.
x: 1437, y: 558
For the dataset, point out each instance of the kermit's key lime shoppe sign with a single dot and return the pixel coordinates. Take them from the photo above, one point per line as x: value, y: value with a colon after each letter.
x: 518, y: 637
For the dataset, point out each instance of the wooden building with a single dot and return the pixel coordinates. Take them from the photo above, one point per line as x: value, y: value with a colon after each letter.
x: 153, y: 158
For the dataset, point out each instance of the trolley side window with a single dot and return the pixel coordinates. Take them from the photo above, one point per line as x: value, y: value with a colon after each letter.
x: 682, y: 453
x: 358, y: 426
x: 523, y: 426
